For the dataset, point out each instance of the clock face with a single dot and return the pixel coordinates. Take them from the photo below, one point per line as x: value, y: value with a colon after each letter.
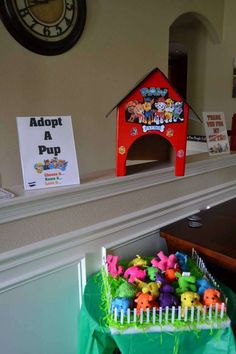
x: 44, y: 26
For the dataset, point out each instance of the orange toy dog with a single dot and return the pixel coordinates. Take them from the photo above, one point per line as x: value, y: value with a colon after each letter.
x: 144, y: 302
x: 211, y: 297
x: 170, y: 274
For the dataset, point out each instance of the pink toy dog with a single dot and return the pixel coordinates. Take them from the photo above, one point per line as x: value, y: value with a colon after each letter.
x: 112, y: 266
x: 133, y: 273
x: 163, y: 262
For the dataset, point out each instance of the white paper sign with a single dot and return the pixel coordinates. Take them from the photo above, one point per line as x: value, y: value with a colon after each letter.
x: 216, y: 133
x: 47, y: 151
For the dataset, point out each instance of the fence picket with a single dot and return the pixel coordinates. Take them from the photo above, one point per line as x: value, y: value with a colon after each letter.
x: 122, y: 316
x: 128, y: 315
x: 185, y: 314
x: 154, y: 315
x: 160, y: 315
x: 167, y: 313
x: 148, y: 316
x: 192, y: 314
x: 141, y: 316
x: 210, y: 312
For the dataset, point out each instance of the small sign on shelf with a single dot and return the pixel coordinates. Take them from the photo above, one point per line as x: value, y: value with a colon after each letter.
x: 47, y: 150
x: 216, y: 133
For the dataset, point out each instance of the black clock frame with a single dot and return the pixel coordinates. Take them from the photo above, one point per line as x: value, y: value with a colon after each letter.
x: 35, y: 44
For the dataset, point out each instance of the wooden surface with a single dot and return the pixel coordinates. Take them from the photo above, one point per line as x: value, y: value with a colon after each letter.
x: 215, y: 240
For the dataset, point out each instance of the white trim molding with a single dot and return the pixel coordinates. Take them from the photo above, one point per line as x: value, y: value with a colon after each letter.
x: 29, y: 203
x: 39, y: 259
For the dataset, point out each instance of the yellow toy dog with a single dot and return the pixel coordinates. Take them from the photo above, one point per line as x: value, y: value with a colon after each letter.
x: 138, y: 261
x: 149, y: 288
x: 189, y: 299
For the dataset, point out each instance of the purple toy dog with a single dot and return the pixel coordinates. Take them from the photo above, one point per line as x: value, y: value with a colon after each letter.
x: 167, y: 297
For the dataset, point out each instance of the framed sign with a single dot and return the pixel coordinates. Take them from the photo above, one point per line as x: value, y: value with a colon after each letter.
x: 47, y: 151
x: 216, y: 132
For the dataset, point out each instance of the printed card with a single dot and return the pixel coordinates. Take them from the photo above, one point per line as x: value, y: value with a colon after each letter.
x: 216, y: 133
x: 47, y: 150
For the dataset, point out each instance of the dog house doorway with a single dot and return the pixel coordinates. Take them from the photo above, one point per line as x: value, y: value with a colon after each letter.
x: 152, y: 150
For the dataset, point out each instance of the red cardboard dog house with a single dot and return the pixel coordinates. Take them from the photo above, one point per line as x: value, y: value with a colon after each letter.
x: 153, y: 109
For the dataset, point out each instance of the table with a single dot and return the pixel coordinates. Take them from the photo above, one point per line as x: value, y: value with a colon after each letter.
x: 215, y: 239
x: 96, y: 338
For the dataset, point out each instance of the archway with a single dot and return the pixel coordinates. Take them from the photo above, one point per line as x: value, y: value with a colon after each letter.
x: 189, y: 37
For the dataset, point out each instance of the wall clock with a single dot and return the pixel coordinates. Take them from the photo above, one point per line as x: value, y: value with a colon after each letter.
x: 47, y: 27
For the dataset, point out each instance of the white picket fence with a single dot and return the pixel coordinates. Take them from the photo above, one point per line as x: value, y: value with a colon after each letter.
x: 201, y: 265
x: 166, y: 315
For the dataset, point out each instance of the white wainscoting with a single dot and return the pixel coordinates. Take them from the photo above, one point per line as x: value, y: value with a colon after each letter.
x: 41, y: 316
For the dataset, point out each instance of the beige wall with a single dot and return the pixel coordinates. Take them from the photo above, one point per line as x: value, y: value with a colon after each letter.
x: 219, y: 68
x: 210, y: 66
x: 122, y: 41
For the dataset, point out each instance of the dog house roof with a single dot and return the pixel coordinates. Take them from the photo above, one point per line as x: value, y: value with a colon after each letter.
x: 141, y: 82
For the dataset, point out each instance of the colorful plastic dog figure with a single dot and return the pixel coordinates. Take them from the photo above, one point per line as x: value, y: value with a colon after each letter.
x: 133, y: 273
x: 167, y: 296
x: 189, y: 299
x: 144, y: 302
x: 186, y: 283
x: 152, y: 273
x: 138, y: 261
x: 149, y: 288
x: 112, y: 266
x: 170, y: 274
x: 183, y: 261
x: 203, y: 284
x: 120, y: 303
x: 165, y: 286
x: 126, y: 290
x: 163, y: 262
x: 212, y: 297
x: 168, y: 299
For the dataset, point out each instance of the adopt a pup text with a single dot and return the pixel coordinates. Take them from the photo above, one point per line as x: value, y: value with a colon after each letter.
x: 52, y: 123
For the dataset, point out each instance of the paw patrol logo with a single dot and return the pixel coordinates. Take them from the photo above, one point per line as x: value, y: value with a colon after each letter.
x: 154, y: 92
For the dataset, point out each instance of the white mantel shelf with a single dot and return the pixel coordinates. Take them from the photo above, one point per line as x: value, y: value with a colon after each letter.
x: 36, y: 259
x: 29, y: 203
